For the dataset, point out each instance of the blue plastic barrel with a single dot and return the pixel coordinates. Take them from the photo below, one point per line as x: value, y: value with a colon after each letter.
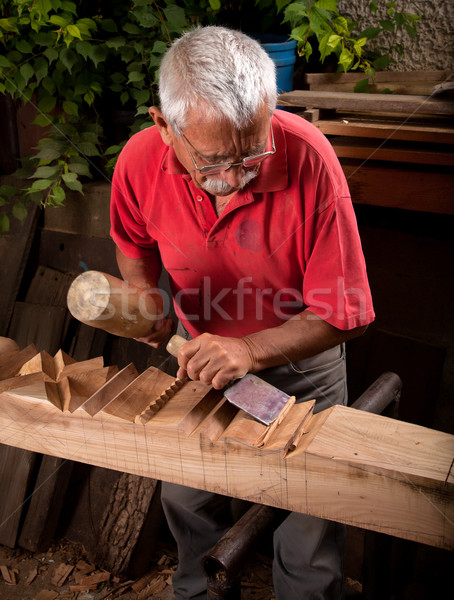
x: 283, y: 52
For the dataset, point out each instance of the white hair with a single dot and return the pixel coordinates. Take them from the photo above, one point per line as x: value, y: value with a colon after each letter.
x: 222, y: 71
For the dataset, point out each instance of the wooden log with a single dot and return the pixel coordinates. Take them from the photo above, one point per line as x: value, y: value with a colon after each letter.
x: 106, y: 302
x: 350, y: 466
x: 122, y: 522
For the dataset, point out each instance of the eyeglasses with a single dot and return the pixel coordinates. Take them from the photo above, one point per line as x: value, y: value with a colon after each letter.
x: 249, y: 161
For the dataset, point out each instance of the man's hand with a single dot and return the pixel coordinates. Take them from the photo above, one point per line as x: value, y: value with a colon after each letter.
x: 215, y: 360
x: 159, y: 334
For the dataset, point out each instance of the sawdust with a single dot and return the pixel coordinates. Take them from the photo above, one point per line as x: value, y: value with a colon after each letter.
x: 64, y: 572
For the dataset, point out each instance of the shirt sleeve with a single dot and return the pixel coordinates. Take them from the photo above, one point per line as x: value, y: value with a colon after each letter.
x: 127, y: 225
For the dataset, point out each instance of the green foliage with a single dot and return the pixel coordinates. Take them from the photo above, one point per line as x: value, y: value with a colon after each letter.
x: 78, y: 61
x: 318, y: 23
x: 71, y: 60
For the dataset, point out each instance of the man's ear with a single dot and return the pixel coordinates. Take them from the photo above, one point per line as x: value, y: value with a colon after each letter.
x: 163, y: 126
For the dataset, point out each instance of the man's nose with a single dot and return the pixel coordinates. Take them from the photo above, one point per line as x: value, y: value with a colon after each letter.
x: 234, y: 175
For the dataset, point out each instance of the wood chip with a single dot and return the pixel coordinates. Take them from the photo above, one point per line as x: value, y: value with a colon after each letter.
x: 9, y: 575
x: 31, y: 576
x: 155, y: 587
x: 62, y: 572
x: 84, y: 567
x: 46, y: 595
x: 93, y: 579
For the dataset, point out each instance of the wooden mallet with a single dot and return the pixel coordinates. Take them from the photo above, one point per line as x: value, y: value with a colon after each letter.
x: 106, y: 302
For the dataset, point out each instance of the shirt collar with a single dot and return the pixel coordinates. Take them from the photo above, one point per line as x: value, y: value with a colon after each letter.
x: 273, y: 174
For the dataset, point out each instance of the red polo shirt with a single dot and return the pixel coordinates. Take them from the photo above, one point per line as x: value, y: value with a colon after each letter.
x: 287, y: 242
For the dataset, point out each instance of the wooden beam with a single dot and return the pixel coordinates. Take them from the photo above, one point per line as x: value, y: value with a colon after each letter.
x: 388, y: 103
x: 349, y: 466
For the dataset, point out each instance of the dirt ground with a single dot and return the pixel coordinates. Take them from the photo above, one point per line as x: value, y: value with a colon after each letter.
x: 64, y: 573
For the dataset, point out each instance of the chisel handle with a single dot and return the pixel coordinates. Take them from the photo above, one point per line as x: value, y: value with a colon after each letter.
x: 174, y: 344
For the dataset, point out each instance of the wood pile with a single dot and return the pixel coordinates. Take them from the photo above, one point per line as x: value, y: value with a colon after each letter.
x: 396, y: 149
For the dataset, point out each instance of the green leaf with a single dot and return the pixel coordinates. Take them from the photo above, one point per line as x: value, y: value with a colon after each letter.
x: 381, y: 62
x: 81, y: 168
x: 7, y: 191
x: 69, y: 6
x: 145, y: 17
x: 68, y: 57
x: 136, y: 76
x: 87, y: 148
x: 142, y: 110
x: 371, y: 32
x: 327, y: 4
x: 41, y: 69
x: 108, y: 25
x: 42, y: 120
x: 373, y: 7
x: 176, y: 18
x: 83, y: 48
x: 346, y: 58
x: 45, y: 173
x: 74, y: 31
x: 27, y: 72
x: 45, y: 38
x: 9, y: 24
x: 4, y: 219
x: 51, y: 54
x: 49, y: 150
x: 215, y: 4
x: 116, y: 43
x: 59, y: 21
x: 70, y: 108
x: 98, y: 54
x: 362, y: 86
x: 5, y: 63
x: 387, y: 25
x: 24, y: 47
x: 113, y: 149
x: 159, y: 47
x: 72, y: 182
x: 39, y: 185
x: 49, y: 85
x: 19, y: 211
x: 131, y: 28
x: 58, y: 195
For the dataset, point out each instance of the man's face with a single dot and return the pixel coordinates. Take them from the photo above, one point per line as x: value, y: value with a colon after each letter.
x: 212, y: 142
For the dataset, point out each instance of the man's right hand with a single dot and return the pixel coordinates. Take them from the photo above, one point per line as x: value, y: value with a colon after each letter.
x: 159, y: 334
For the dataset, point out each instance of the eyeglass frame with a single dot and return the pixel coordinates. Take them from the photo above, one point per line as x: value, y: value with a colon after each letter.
x: 225, y: 166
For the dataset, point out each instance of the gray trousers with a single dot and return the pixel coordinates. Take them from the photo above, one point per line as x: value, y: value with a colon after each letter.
x: 308, y: 551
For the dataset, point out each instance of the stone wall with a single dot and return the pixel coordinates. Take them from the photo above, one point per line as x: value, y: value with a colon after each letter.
x: 432, y: 48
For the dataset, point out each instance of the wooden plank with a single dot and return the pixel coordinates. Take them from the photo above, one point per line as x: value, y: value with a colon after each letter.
x: 41, y: 325
x: 14, y: 250
x: 16, y: 468
x: 353, y: 467
x: 388, y: 103
x: 380, y: 77
x: 46, y: 504
x: 416, y: 155
x: 351, y: 126
x: 402, y: 188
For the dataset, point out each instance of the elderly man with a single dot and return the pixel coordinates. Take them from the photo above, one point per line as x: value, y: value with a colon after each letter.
x: 247, y: 209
